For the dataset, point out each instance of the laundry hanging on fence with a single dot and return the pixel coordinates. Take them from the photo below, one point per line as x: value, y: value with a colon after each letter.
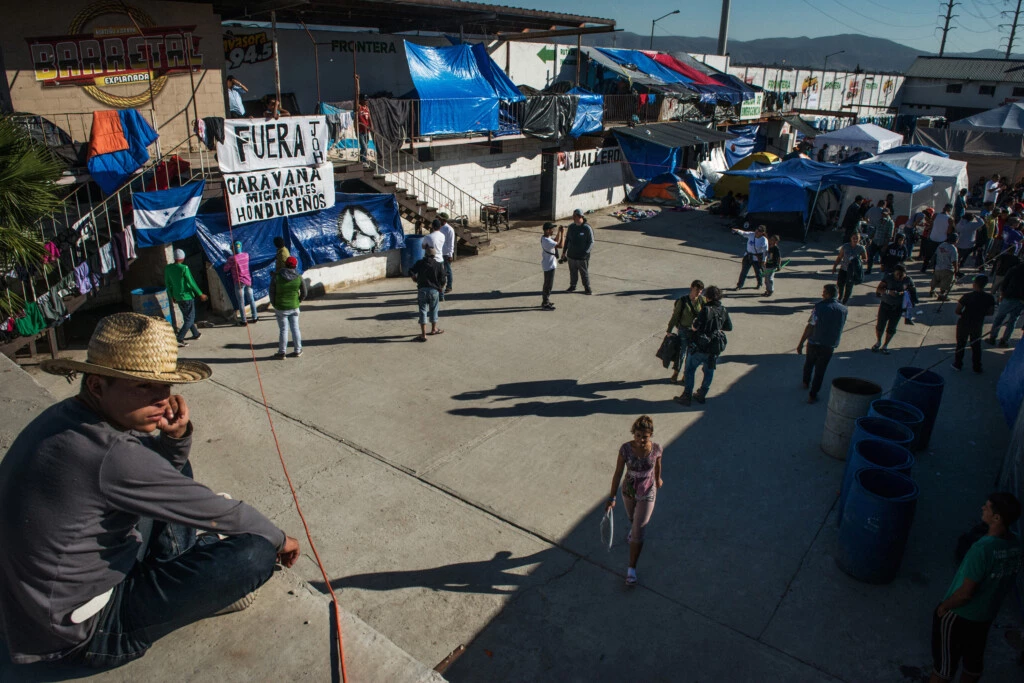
x: 115, y: 154
x: 390, y: 120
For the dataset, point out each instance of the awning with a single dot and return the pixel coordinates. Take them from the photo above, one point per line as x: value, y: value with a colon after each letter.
x: 674, y: 134
x: 802, y: 126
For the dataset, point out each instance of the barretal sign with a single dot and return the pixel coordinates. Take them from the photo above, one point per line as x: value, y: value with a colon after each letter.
x: 259, y: 145
x: 114, y: 44
x: 261, y: 195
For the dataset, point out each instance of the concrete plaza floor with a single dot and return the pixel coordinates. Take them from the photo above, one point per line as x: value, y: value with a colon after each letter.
x: 455, y: 487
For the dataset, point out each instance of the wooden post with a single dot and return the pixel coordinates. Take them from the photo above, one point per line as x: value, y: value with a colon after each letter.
x: 579, y: 56
x: 277, y: 62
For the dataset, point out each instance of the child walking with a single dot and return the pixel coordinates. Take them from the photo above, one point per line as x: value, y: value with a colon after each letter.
x: 772, y: 264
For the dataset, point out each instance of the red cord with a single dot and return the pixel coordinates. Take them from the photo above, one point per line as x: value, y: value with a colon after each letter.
x: 295, y: 497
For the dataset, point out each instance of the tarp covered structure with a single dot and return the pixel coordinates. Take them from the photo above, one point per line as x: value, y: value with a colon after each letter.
x: 916, y: 148
x: 313, y: 239
x: 589, y: 113
x: 865, y: 136
x: 1008, y: 118
x: 658, y: 148
x: 668, y: 189
x: 459, y: 87
x: 738, y: 184
x: 948, y: 176
x: 985, y: 153
x: 748, y: 140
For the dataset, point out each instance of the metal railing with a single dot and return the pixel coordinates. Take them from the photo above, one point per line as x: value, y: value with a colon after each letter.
x: 427, y: 185
x: 87, y: 224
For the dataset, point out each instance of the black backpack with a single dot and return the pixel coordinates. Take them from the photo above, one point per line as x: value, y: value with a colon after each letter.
x: 711, y: 339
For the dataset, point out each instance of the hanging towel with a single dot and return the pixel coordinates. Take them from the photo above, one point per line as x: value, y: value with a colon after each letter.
x: 107, y: 258
x: 52, y: 252
x: 82, y: 279
x: 214, y: 131
x: 33, y: 323
x: 390, y: 123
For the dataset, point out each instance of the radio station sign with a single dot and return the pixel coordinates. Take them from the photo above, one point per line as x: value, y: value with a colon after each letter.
x: 247, y: 48
x: 260, y: 195
x: 257, y: 144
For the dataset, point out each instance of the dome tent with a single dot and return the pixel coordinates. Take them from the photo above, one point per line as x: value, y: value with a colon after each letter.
x: 739, y: 184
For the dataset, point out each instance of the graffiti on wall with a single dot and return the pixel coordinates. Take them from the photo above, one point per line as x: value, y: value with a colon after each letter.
x: 115, y: 45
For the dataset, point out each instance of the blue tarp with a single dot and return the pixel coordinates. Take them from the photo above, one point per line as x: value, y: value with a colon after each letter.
x: 589, y: 113
x: 645, y: 64
x: 809, y: 174
x: 454, y: 96
x: 915, y: 148
x: 747, y: 142
x: 502, y: 84
x: 648, y: 159
x: 778, y: 195
x: 313, y: 239
x: 700, y: 186
x: 112, y: 170
x: 1010, y: 387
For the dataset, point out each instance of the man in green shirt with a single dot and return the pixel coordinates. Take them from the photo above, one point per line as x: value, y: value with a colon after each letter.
x: 183, y: 290
x: 961, y: 622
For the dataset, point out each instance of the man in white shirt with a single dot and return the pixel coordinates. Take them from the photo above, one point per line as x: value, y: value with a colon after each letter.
x: 757, y: 250
x: 992, y: 189
x: 941, y: 226
x: 449, y: 247
x: 435, y: 240
x: 874, y: 215
x: 549, y: 246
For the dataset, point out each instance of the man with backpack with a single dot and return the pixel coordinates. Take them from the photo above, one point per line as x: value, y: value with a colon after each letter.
x: 707, y: 342
x: 850, y: 262
x: 684, y: 313
x: 891, y: 290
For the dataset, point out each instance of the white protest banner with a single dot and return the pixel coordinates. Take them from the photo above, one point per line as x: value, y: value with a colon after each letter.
x: 260, y: 195
x: 259, y: 144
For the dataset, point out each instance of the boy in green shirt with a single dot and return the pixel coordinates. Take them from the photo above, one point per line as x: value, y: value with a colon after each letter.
x: 183, y: 290
x: 961, y: 622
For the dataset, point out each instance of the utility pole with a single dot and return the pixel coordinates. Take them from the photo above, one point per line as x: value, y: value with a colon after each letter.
x: 1013, y: 29
x: 946, y: 29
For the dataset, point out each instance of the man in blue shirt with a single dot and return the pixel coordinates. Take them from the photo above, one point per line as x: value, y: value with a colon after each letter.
x: 961, y: 622
x: 822, y: 334
x: 235, y: 89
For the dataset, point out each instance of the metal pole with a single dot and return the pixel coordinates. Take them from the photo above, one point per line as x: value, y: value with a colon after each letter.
x: 277, y: 62
x: 192, y: 80
x: 579, y: 56
x: 316, y: 59
x: 355, y: 106
x: 810, y: 214
x: 723, y: 28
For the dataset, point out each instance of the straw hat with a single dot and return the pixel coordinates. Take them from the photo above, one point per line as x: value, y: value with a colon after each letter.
x: 133, y: 346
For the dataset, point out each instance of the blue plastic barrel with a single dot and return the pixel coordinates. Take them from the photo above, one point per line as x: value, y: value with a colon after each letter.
x: 873, y: 453
x: 876, y: 523
x: 152, y: 301
x: 923, y: 390
x: 411, y: 252
x: 879, y: 428
x: 901, y: 412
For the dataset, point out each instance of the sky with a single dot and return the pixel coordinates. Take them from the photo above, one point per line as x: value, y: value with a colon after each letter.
x: 911, y: 22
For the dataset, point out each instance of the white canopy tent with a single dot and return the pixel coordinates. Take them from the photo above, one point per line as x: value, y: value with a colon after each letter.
x: 1008, y: 118
x: 948, y: 176
x: 864, y: 136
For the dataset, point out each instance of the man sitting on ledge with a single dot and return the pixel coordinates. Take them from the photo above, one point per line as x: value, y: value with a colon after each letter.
x: 98, y: 512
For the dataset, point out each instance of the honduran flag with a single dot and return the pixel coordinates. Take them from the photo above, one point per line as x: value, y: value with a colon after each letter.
x: 166, y: 216
x: 117, y: 147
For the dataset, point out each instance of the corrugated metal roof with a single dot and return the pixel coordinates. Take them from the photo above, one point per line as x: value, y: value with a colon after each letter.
x: 963, y: 69
x: 675, y: 134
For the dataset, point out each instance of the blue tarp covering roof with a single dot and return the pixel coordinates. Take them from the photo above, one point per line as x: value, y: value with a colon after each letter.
x: 454, y: 96
x: 915, y: 148
x: 648, y: 160
x: 589, y: 113
x: 810, y: 174
x: 645, y: 64
x: 503, y: 85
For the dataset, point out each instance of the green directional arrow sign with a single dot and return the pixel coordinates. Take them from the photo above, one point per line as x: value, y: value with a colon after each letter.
x: 547, y: 54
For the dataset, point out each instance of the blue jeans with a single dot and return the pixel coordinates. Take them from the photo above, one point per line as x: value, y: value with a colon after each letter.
x: 769, y: 281
x: 188, y: 319
x: 448, y: 271
x: 749, y: 261
x: 364, y: 148
x: 694, y: 361
x: 288, y: 320
x: 243, y: 295
x: 177, y: 581
x: 684, y: 343
x: 1007, y: 312
x: 428, y: 299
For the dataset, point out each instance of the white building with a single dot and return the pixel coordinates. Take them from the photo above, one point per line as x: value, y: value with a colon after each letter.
x: 957, y: 87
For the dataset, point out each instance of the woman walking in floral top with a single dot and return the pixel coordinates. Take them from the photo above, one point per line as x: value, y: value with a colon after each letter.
x: 641, y: 461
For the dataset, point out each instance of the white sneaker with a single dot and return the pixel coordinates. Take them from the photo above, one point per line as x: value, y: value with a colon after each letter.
x: 238, y: 605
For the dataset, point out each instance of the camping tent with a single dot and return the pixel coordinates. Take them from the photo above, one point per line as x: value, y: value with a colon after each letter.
x: 1008, y: 118
x: 668, y: 189
x: 741, y: 184
x: 948, y: 176
x: 864, y: 136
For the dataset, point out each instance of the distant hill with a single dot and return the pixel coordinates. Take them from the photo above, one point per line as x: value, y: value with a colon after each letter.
x: 870, y: 54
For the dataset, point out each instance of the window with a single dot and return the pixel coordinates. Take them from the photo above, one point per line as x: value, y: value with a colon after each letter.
x: 1018, y: 92
x: 954, y: 88
x: 986, y: 90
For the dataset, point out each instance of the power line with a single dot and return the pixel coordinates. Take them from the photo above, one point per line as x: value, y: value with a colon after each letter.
x: 835, y: 19
x: 875, y: 19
